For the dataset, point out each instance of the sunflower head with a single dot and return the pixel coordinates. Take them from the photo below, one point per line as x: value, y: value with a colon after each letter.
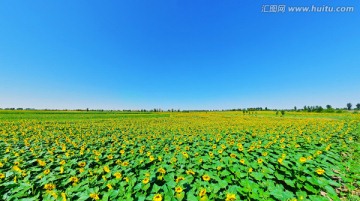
x: 206, y: 177
x: 157, y: 197
x: 178, y: 189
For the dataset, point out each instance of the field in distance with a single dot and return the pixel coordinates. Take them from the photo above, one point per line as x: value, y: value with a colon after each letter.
x: 69, y: 155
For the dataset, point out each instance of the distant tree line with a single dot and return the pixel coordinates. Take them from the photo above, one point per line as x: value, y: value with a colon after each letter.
x: 329, y: 108
x: 251, y: 110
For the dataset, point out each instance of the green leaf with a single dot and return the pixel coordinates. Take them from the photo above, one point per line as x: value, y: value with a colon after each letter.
x: 223, y: 183
x: 310, y: 188
x: 289, y: 182
x: 317, y: 198
x: 257, y: 175
x: 332, y: 193
x: 279, y: 176
x: 190, y: 196
x: 225, y: 173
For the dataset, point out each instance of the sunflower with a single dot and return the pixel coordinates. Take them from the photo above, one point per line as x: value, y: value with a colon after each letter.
x: 151, y: 158
x: 49, y: 187
x: 252, y: 147
x: 260, y: 160
x: 190, y: 172
x: 157, y: 197
x: 118, y: 175
x: 74, y: 179
x: 52, y: 193
x: 178, y: 189
x: 47, y: 171
x: 302, y: 159
x: 63, y: 195
x: 82, y: 164
x: 41, y: 163
x: 230, y: 197
x: 16, y: 168
x: 2, y: 175
x: 202, y: 192
x: 328, y: 147
x: 206, y: 177
x: 94, y: 196
x: 320, y: 171
x: 145, y: 181
x: 179, y: 179
x: 106, y: 169
x: 173, y: 160
x: 242, y: 161
x: 162, y: 170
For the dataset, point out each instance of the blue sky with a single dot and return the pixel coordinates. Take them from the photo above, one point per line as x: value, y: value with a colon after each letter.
x: 183, y: 54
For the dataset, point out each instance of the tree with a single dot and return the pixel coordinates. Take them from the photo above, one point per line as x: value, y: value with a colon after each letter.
x: 309, y: 109
x: 282, y: 112
x: 349, y: 105
x: 328, y: 107
x: 358, y: 106
x: 319, y: 109
x: 295, y: 108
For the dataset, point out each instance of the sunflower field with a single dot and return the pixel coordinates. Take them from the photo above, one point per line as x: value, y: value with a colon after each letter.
x: 63, y: 156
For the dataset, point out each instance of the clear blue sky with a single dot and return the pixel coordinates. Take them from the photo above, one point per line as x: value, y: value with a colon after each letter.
x: 187, y: 54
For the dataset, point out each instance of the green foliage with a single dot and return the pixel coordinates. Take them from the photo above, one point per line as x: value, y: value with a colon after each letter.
x: 183, y: 156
